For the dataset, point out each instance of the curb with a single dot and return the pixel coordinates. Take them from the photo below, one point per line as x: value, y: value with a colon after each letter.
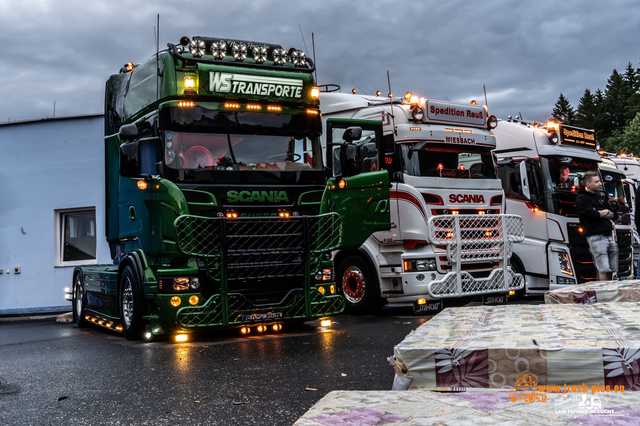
x: 58, y: 317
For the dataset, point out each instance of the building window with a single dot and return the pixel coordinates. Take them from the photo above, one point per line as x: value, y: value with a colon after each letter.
x: 76, y: 237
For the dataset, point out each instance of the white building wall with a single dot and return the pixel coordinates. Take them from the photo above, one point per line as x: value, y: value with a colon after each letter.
x: 46, y: 166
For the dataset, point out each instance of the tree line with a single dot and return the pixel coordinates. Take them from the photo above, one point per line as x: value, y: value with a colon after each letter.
x: 614, y: 113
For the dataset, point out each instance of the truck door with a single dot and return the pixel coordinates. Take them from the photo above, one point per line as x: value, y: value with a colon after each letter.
x: 358, y: 188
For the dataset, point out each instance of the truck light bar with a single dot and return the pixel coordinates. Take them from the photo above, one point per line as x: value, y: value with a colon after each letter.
x: 260, y: 54
x: 219, y: 50
x: 239, y: 52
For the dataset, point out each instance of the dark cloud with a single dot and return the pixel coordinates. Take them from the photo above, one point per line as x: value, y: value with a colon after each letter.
x: 525, y: 53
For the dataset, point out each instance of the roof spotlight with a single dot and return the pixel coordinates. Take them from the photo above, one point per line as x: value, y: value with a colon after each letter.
x: 184, y: 41
x: 239, y: 52
x: 298, y: 58
x: 196, y: 48
x: 492, y: 122
x: 407, y: 96
x: 279, y: 56
x: 259, y: 54
x: 378, y: 93
x: 219, y: 49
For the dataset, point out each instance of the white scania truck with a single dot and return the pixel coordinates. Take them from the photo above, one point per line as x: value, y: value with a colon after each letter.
x: 541, y: 167
x: 449, y: 237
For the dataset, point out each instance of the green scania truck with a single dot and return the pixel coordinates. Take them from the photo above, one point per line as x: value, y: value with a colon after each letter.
x: 220, y: 212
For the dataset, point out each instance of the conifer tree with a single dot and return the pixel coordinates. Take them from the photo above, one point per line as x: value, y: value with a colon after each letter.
x: 562, y: 111
x: 587, y: 111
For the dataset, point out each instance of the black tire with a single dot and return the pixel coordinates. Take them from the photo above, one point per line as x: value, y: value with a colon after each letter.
x: 131, y: 302
x: 357, y: 283
x: 79, y: 301
x: 515, y: 265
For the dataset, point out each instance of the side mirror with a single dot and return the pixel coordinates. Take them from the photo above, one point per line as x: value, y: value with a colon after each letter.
x: 130, y: 159
x: 353, y: 133
x: 138, y: 158
x: 128, y: 132
x: 350, y: 159
x: 524, y: 180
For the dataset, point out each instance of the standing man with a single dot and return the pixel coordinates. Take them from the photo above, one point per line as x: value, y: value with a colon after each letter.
x: 596, y: 220
x: 636, y: 214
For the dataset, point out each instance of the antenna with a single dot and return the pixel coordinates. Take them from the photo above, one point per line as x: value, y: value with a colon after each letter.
x: 393, y: 117
x: 303, y: 42
x: 54, y: 109
x: 157, y: 36
x: 520, y: 114
x: 485, y: 96
x: 313, y: 44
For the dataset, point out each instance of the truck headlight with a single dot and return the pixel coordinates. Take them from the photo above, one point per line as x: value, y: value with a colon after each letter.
x: 323, y: 275
x: 420, y: 265
x: 565, y: 263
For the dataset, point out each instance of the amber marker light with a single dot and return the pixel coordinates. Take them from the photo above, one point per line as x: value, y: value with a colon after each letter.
x: 232, y: 215
x: 511, y: 292
x: 283, y: 214
x: 315, y: 93
x: 342, y: 184
x: 175, y: 301
x: 245, y: 330
x: 332, y: 289
x: 193, y: 300
x: 186, y: 103
x: 261, y: 328
x: 276, y: 327
x: 189, y: 83
x: 142, y: 184
x: 422, y: 301
x: 325, y: 322
x: 129, y: 66
x: 321, y: 290
x: 181, y: 338
x: 313, y: 112
x: 274, y: 108
x: 118, y: 328
x: 231, y: 105
x: 254, y: 107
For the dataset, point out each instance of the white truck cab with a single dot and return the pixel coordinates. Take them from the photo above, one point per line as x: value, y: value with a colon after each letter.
x: 445, y: 195
x: 541, y: 168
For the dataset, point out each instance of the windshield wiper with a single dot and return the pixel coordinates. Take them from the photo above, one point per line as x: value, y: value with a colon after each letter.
x: 233, y: 157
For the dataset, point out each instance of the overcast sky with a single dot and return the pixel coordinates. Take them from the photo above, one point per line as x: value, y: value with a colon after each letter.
x: 526, y: 53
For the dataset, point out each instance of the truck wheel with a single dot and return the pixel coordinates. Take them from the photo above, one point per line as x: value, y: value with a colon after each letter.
x: 79, y: 301
x: 130, y: 298
x: 358, y: 285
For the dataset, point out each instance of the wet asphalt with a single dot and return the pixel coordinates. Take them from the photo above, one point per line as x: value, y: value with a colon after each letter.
x: 57, y: 374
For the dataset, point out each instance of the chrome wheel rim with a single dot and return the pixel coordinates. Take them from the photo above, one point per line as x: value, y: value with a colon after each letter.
x: 78, y: 299
x: 127, y: 302
x: 353, y: 284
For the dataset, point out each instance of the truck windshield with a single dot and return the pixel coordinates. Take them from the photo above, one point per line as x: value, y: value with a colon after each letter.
x: 613, y: 186
x: 226, y: 151
x: 564, y: 174
x: 562, y: 179
x: 420, y: 159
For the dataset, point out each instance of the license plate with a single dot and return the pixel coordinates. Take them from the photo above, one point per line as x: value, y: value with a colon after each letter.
x: 262, y: 316
x: 494, y: 299
x: 431, y: 307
